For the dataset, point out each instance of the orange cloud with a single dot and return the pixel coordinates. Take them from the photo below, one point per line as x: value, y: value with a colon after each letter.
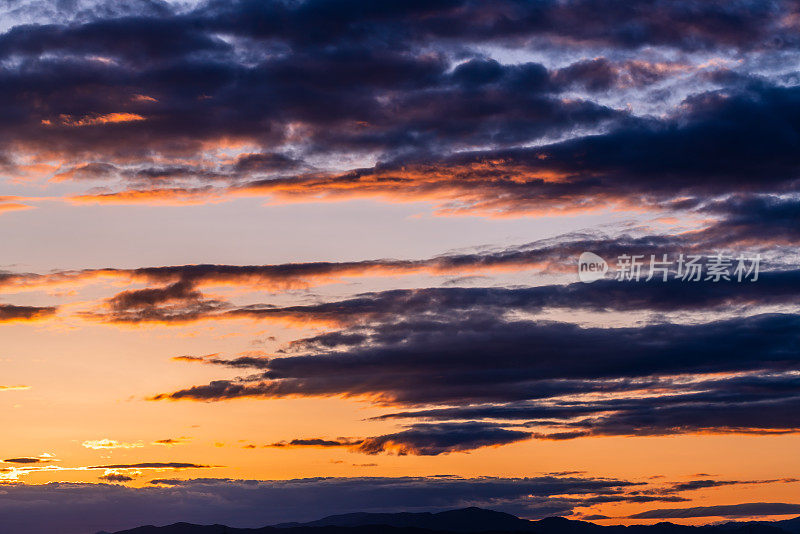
x: 164, y: 197
x: 143, y: 98
x: 14, y: 388
x: 13, y: 206
x: 93, y: 120
x: 487, y: 187
x: 11, y: 314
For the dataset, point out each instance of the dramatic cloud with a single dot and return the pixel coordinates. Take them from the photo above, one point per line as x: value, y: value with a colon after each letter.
x: 696, y: 153
x: 773, y: 288
x: 433, y: 439
x: 765, y: 224
x: 734, y: 375
x: 423, y: 439
x: 153, y: 465
x: 731, y: 510
x: 116, y: 477
x: 172, y: 99
x: 228, y: 99
x: 316, y: 442
x: 81, y: 508
x: 10, y: 313
x: 675, y: 123
x: 520, y: 351
x: 576, y: 23
x: 176, y: 295
x: 703, y: 484
x: 26, y: 460
x: 178, y: 302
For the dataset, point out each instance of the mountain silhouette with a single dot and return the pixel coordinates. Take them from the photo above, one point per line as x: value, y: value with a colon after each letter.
x: 465, y: 521
x: 789, y: 525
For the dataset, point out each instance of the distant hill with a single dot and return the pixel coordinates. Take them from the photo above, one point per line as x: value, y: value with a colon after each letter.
x: 789, y: 525
x: 467, y: 521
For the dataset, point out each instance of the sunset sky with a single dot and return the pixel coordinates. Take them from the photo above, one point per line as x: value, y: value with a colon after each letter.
x: 266, y: 261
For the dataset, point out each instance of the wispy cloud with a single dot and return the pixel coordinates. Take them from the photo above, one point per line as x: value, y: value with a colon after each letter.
x: 730, y: 510
x: 105, y: 443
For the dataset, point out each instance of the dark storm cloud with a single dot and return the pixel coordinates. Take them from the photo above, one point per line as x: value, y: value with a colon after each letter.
x: 81, y: 508
x: 730, y: 510
x: 442, y: 438
x: 772, y: 288
x: 726, y: 416
x: 672, y: 23
x: 602, y: 75
x: 361, y: 99
x: 149, y: 297
x: 727, y: 405
x: 679, y: 24
x: 638, y: 499
x: 26, y: 460
x: 400, y: 82
x: 9, y: 312
x: 186, y: 86
x: 775, y: 288
x: 115, y: 477
x: 134, y: 38
x: 265, y: 162
x: 485, y: 367
x: 753, y: 219
x: 152, y: 465
x: 486, y: 357
x: 185, y: 71
x: 423, y: 439
x: 722, y: 408
x: 176, y: 303
x: 313, y: 442
x: 708, y: 483
x: 742, y: 140
x: 74, y: 11
x: 240, y: 362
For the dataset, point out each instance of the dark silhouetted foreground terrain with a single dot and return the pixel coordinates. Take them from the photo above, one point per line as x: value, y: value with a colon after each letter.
x: 468, y: 520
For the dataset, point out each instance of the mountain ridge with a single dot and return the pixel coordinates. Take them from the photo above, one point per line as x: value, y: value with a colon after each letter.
x: 466, y: 521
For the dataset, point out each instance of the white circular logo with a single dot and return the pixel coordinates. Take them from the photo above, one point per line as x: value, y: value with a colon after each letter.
x: 591, y: 267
